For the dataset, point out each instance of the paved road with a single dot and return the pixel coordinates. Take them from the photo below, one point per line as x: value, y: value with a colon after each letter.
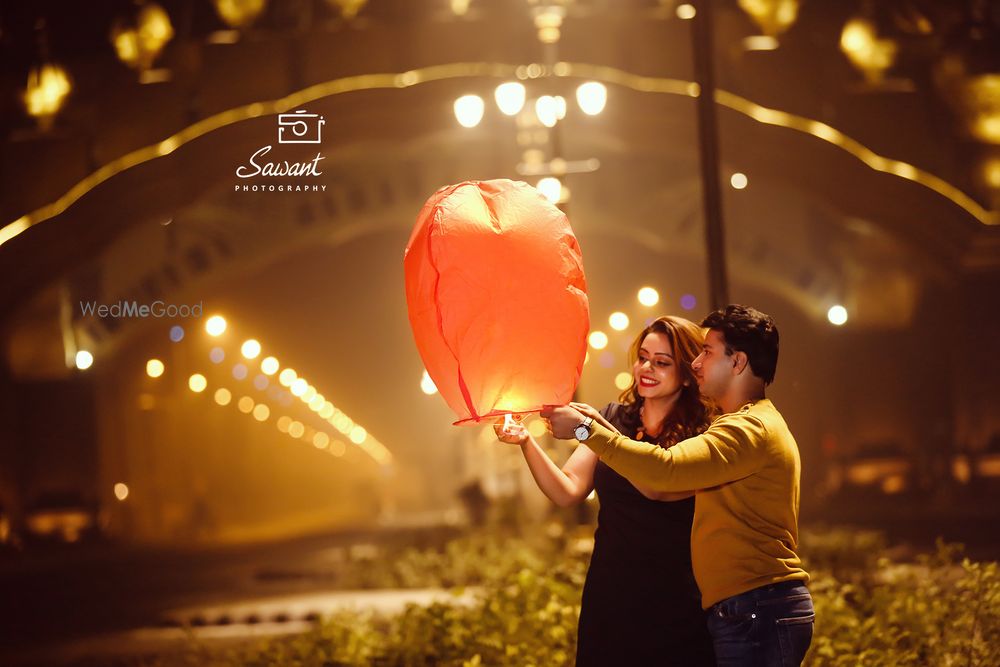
x: 88, y: 593
x: 239, y: 620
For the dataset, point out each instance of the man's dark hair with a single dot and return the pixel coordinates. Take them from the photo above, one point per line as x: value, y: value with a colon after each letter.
x: 749, y: 331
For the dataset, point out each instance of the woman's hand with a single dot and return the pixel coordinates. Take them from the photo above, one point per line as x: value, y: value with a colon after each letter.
x: 514, y: 434
x: 593, y: 413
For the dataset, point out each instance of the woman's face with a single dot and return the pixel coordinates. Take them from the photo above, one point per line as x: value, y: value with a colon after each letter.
x: 655, y: 371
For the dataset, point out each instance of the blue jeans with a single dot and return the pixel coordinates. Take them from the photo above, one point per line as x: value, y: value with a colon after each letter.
x: 770, y: 626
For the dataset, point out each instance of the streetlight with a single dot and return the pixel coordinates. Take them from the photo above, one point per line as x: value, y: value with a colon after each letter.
x: 510, y: 97
x: 592, y: 97
x: 469, y: 110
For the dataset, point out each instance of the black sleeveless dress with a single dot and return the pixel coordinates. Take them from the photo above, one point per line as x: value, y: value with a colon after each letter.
x: 641, y: 605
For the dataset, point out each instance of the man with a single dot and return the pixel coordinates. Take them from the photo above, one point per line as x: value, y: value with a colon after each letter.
x: 746, y: 469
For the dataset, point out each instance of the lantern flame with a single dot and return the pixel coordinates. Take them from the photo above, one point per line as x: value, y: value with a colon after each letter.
x: 508, y: 423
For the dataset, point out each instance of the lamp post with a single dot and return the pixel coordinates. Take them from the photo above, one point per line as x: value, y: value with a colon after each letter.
x: 708, y: 142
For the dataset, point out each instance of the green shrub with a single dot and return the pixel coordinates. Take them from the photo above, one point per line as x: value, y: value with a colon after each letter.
x: 871, y: 610
x: 939, y: 610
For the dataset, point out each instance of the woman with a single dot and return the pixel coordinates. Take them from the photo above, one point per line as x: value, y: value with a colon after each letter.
x: 641, y: 605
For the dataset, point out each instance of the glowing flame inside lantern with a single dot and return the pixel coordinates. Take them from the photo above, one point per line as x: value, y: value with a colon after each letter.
x: 508, y: 423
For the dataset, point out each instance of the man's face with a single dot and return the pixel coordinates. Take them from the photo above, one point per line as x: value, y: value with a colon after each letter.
x: 713, y: 368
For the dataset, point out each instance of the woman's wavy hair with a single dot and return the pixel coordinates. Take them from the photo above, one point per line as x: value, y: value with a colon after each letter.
x: 692, y: 413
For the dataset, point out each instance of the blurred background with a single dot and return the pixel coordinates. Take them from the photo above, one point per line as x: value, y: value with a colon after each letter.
x: 281, y: 396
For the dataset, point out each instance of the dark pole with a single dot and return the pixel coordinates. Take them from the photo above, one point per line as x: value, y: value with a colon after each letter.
x: 708, y: 141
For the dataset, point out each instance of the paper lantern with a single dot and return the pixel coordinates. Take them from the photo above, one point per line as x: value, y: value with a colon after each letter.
x: 497, y: 299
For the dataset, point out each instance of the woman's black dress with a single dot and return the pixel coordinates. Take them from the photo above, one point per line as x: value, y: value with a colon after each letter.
x: 641, y: 605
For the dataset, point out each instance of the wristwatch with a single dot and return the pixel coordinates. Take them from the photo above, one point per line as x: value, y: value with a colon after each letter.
x: 583, y: 431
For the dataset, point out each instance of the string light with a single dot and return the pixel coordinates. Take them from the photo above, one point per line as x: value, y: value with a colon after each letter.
x: 409, y: 78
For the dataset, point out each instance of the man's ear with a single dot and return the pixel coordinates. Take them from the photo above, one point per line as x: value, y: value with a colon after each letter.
x: 740, y: 361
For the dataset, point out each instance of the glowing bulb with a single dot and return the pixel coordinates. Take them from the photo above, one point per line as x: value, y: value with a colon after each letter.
x: 216, y: 325
x: 551, y: 188
x: 837, y: 315
x: 469, y: 110
x: 296, y: 429
x: 299, y: 387
x: 510, y: 97
x: 648, y: 296
x: 197, y: 383
x: 287, y: 377
x: 84, y: 360
x: 121, y: 491
x: 686, y: 12
x: 618, y: 321
x: 250, y: 349
x: 321, y: 440
x: 46, y: 90
x: 592, y: 97
x: 427, y: 385
x: 598, y: 340
x: 358, y: 435
x: 245, y: 405
x: 738, y: 180
x: 623, y: 381
x: 154, y: 368
x: 223, y: 396
x: 269, y: 366
x: 547, y: 110
x: 261, y: 412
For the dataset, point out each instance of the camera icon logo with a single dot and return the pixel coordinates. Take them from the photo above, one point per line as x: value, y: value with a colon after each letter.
x: 300, y: 127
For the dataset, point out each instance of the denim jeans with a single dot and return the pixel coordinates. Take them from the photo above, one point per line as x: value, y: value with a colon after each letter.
x: 770, y: 626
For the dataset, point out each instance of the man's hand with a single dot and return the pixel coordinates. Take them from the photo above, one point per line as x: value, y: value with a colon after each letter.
x: 593, y: 413
x: 563, y: 420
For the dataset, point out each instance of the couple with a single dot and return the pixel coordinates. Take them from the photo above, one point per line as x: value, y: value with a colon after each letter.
x: 698, y: 480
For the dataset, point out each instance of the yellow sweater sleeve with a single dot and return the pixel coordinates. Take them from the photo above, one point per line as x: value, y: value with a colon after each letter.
x: 732, y: 448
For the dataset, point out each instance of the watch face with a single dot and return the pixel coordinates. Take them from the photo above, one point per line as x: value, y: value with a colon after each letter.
x: 582, y: 432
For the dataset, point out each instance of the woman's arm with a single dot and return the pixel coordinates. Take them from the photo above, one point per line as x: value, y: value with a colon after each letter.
x: 564, y: 486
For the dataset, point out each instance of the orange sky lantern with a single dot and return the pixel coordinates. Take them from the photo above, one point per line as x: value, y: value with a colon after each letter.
x: 497, y: 299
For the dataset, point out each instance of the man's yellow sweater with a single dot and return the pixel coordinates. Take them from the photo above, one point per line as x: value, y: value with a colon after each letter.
x: 745, y: 468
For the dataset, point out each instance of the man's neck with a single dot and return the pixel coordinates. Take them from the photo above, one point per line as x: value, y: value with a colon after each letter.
x: 734, y: 400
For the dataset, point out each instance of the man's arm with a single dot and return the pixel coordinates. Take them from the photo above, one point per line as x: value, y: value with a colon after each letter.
x: 729, y: 450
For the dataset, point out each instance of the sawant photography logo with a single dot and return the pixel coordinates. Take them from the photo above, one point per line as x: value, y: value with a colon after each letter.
x: 299, y: 127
